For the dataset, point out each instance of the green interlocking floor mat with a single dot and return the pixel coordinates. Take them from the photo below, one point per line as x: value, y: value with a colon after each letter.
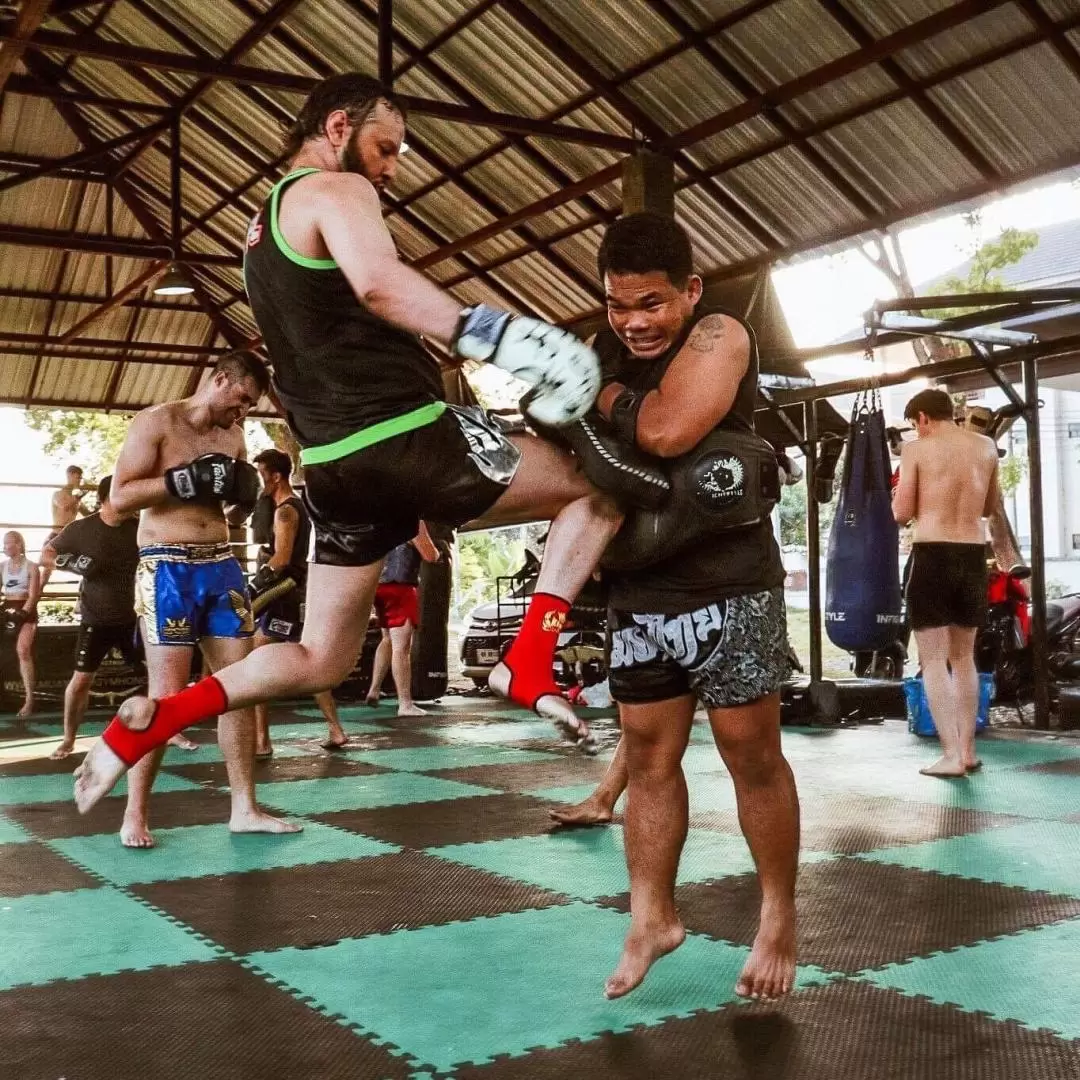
x: 431, y: 921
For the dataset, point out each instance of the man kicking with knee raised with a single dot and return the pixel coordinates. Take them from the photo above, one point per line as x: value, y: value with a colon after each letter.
x: 948, y: 486
x: 705, y: 623
x: 340, y: 314
x: 182, y: 465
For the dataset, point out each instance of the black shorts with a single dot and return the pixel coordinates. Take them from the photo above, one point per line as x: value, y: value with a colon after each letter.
x: 281, y: 618
x: 450, y: 471
x: 94, y: 643
x: 947, y: 585
x: 732, y: 652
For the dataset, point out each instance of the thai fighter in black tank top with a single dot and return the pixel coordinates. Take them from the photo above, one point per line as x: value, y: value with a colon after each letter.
x: 722, y: 566
x: 297, y: 569
x: 337, y: 367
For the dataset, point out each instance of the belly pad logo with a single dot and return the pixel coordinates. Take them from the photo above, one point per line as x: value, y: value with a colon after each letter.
x: 719, y: 481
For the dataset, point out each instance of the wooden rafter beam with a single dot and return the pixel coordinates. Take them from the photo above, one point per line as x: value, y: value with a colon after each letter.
x: 716, y: 26
x: 95, y: 244
x: 133, y: 288
x: 45, y: 295
x: 162, y: 60
x: 80, y: 157
x: 767, y: 101
x: 30, y: 17
x: 836, y: 121
x: 923, y: 101
x: 48, y: 341
x: 27, y: 86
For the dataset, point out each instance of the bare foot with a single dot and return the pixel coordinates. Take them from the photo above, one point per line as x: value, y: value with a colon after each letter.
x: 135, y: 834
x: 264, y: 753
x: 335, y: 744
x: 62, y: 751
x: 769, y: 971
x: 27, y: 709
x: 972, y: 764
x: 640, y: 951
x: 552, y: 705
x: 255, y: 821
x: 97, y: 775
x: 182, y: 742
x: 371, y: 703
x: 945, y: 769
x: 590, y: 812
x: 411, y: 710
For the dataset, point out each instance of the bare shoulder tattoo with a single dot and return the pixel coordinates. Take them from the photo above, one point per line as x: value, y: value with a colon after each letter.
x: 707, y: 334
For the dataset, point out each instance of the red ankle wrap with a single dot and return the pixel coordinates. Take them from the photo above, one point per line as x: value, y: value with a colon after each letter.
x: 172, y: 714
x: 533, y: 652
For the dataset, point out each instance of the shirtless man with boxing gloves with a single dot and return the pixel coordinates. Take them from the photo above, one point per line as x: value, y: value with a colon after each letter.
x: 183, y: 465
x: 341, y: 316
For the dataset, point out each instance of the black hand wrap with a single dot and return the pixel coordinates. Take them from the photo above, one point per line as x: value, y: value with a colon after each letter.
x: 267, y: 585
x: 729, y: 481
x: 612, y: 464
x: 244, y: 491
x: 74, y: 563
x: 624, y: 414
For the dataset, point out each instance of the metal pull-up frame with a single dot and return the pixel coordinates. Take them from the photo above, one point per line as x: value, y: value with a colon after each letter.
x: 994, y: 350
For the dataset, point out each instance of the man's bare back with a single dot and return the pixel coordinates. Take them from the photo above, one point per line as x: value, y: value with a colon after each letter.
x: 947, y: 485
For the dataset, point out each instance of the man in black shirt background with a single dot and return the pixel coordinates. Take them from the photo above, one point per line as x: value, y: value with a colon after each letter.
x: 277, y: 589
x: 102, y: 549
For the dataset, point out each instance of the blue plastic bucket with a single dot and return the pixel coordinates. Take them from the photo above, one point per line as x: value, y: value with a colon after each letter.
x: 920, y: 722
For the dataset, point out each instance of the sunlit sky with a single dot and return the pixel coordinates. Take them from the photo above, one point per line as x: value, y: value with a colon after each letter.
x: 822, y: 299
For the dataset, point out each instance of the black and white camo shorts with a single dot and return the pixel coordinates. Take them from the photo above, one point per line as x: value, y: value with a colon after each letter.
x: 729, y: 653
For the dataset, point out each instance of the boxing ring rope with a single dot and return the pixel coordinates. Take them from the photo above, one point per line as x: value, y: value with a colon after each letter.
x: 885, y: 327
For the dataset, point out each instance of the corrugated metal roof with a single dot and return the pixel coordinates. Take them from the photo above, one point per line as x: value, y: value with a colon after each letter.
x: 836, y: 159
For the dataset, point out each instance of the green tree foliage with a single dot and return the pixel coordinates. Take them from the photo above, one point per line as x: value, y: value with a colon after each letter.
x: 481, y: 558
x: 988, y: 260
x: 1011, y: 471
x: 91, y: 440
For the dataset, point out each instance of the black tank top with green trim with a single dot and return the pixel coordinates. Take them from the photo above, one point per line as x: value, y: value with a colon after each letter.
x: 338, y: 368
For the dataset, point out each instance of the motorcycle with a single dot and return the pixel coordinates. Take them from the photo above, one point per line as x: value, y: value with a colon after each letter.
x: 1003, y: 645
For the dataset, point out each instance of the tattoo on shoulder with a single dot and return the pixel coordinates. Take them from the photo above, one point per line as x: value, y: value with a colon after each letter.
x: 704, y: 337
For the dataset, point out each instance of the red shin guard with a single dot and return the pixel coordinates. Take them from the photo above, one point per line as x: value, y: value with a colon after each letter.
x: 533, y: 652
x: 171, y: 715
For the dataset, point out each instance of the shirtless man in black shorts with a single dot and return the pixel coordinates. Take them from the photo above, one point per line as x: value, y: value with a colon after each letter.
x: 340, y: 314
x: 948, y: 486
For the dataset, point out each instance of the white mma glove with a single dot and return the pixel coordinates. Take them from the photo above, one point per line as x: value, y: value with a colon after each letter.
x: 562, y: 370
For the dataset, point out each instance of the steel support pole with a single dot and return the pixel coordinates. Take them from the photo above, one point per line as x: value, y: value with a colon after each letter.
x: 1040, y: 667
x: 813, y: 538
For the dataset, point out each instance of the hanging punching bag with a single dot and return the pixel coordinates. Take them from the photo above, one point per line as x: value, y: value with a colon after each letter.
x: 862, y: 573
x: 431, y: 642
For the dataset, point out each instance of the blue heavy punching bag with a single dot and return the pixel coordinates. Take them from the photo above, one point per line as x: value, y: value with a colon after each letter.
x: 862, y: 571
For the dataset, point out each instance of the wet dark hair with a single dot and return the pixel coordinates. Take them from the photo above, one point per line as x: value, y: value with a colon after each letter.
x: 103, y: 489
x: 354, y: 92
x: 644, y: 243
x: 244, y: 364
x: 276, y: 461
x: 75, y: 468
x: 936, y: 404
